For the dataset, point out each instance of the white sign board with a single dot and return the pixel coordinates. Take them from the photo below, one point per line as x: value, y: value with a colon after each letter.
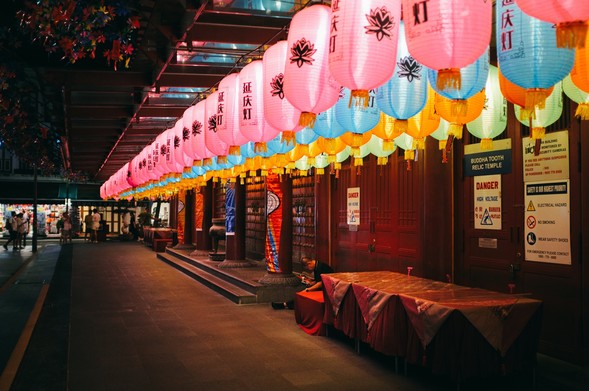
x: 553, y: 161
x: 487, y: 202
x: 353, y: 206
x: 547, y: 229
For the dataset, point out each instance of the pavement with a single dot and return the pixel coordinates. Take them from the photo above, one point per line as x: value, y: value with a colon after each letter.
x: 111, y: 316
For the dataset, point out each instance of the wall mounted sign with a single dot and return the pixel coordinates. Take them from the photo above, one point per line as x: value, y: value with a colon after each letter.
x: 497, y: 161
x: 553, y: 161
x: 353, y: 206
x: 487, y: 202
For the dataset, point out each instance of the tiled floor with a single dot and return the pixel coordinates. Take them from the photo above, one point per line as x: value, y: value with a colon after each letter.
x: 116, y: 318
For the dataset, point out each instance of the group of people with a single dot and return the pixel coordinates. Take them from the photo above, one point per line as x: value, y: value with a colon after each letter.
x: 92, y: 221
x: 18, y: 228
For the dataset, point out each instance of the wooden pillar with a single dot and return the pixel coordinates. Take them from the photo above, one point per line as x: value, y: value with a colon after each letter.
x: 203, y: 240
x: 188, y: 221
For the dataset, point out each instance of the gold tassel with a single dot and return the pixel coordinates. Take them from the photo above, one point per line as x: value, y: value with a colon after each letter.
x: 536, y: 97
x: 388, y: 145
x: 303, y: 149
x: 331, y: 158
x: 419, y: 143
x: 582, y: 111
x: 354, y: 151
x: 222, y: 160
x: 264, y: 172
x: 459, y: 107
x: 260, y: 147
x: 319, y: 171
x: 311, y: 161
x: 486, y: 144
x: 401, y: 126
x: 449, y: 79
x: 278, y: 170
x: 329, y: 145
x: 187, y: 170
x: 358, y: 161
x: 441, y: 144
x: 357, y: 139
x: 526, y: 114
x: 307, y: 119
x: 409, y: 154
x: 303, y: 172
x: 537, y: 133
x: 234, y: 150
x: 207, y: 162
x: 382, y: 160
x: 455, y: 130
x: 197, y: 163
x: 337, y: 166
x: 571, y: 35
x: 288, y: 137
x: 360, y: 98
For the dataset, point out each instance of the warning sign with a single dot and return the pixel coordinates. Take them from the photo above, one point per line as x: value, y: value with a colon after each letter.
x: 353, y: 206
x: 553, y: 161
x: 487, y: 202
x: 547, y: 230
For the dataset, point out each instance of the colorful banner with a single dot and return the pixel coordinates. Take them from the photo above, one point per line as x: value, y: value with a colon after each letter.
x: 274, y: 222
x: 230, y: 207
x: 198, y: 209
x: 181, y: 215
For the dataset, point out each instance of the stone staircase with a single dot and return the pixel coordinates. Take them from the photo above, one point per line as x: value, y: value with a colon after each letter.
x: 240, y: 285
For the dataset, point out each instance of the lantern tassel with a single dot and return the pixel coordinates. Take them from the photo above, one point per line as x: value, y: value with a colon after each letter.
x: 319, y: 171
x: 536, y: 97
x: 401, y: 126
x: 486, y: 144
x: 388, y: 145
x: 459, y: 107
x: 419, y: 143
x: 358, y: 161
x: 307, y: 119
x: 222, y: 159
x: 526, y: 114
x: 409, y: 154
x: 449, y: 79
x: 359, y: 98
x: 355, y: 151
x: 207, y: 162
x: 197, y: 163
x: 234, y: 150
x: 582, y: 111
x: 331, y: 159
x: 357, y: 139
x: 260, y: 147
x: 288, y: 137
x: 571, y: 35
x: 455, y: 130
x: 329, y: 145
x: 537, y: 133
x: 441, y: 144
x: 303, y: 149
x: 382, y: 160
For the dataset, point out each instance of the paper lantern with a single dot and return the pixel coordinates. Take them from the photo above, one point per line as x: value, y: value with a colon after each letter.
x: 405, y: 93
x: 405, y: 142
x: 375, y: 147
x: 308, y: 84
x: 546, y: 116
x: 279, y: 112
x: 517, y: 95
x: 328, y: 127
x: 493, y: 119
x: 173, y: 139
x: 357, y: 119
x: 425, y: 122
x: 580, y: 71
x: 304, y: 137
x: 355, y: 141
x: 570, y: 17
x: 387, y: 129
x: 331, y: 147
x: 363, y: 39
x: 459, y: 113
x: 163, y: 155
x: 447, y: 35
x: 187, y: 131
x: 473, y: 78
x: 201, y: 152
x: 228, y: 113
x: 441, y: 134
x: 214, y: 144
x: 252, y: 123
x: 527, y: 53
x: 179, y: 155
x: 580, y: 97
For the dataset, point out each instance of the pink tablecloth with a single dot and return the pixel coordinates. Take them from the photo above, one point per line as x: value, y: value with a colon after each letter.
x: 309, y: 310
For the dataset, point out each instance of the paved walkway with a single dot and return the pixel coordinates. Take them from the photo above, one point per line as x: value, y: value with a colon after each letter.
x: 116, y: 318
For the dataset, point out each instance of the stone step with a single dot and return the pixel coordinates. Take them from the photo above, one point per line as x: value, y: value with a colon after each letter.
x: 225, y: 288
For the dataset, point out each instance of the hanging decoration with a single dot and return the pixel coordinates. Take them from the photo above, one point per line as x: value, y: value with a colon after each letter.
x: 580, y: 72
x: 363, y: 38
x: 473, y: 78
x: 516, y: 94
x: 252, y: 123
x: 387, y: 130
x: 228, y: 114
x: 279, y: 112
x: 424, y: 123
x: 308, y: 84
x: 357, y: 119
x: 493, y: 119
x: 544, y: 117
x: 405, y: 93
x: 212, y: 140
x: 328, y: 127
x: 437, y: 34
x: 469, y: 110
x: 569, y: 16
x: 274, y: 222
x: 405, y: 142
x: 580, y: 97
x: 527, y: 53
x: 375, y: 147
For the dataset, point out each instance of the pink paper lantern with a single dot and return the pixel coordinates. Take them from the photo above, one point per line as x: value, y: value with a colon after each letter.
x: 181, y: 143
x: 162, y: 164
x: 198, y: 126
x: 214, y: 144
x: 173, y: 166
x: 228, y: 123
x: 187, y: 131
x: 279, y: 112
x: 308, y: 83
x: 252, y: 123
x: 569, y: 16
x: 447, y: 35
x: 363, y: 42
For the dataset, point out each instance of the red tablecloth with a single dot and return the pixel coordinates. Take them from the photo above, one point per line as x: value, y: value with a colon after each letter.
x: 309, y: 310
x: 458, y: 330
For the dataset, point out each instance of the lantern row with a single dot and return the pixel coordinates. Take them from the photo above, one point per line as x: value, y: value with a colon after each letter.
x: 354, y: 71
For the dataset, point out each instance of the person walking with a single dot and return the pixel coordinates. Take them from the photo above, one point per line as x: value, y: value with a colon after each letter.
x: 88, y: 224
x: 26, y: 227
x: 95, y: 226
x: 20, y: 229
x: 12, y: 227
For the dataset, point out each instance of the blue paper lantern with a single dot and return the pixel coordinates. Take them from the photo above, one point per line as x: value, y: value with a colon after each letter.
x: 473, y: 79
x: 357, y: 118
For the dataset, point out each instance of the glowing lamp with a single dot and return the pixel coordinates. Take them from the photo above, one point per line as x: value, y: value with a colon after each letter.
x: 228, y: 113
x: 580, y: 97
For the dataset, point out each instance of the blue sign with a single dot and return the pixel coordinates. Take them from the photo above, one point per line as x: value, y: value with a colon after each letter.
x: 488, y: 163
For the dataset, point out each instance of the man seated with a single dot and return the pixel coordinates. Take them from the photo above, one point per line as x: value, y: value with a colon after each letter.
x: 316, y: 269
